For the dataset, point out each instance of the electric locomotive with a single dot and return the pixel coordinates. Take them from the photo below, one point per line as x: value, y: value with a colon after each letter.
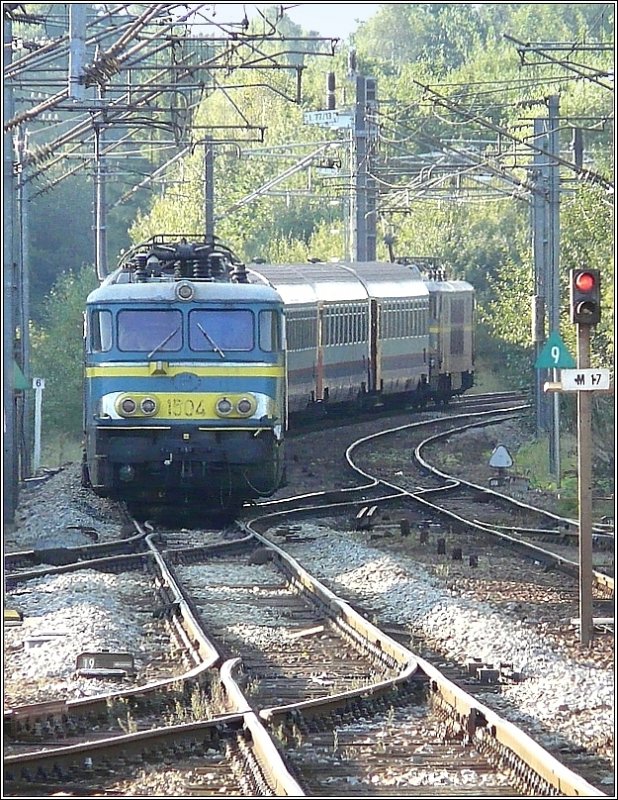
x: 184, y: 390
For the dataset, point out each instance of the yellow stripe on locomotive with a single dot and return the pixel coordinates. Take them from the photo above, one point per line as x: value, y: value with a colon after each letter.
x: 158, y: 368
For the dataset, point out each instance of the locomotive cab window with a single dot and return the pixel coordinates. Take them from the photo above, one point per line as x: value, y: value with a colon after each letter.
x: 150, y: 331
x: 100, y: 331
x: 270, y: 331
x: 221, y: 330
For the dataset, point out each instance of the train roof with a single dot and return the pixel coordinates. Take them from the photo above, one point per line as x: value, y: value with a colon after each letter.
x: 449, y: 286
x: 117, y: 288
x: 339, y: 281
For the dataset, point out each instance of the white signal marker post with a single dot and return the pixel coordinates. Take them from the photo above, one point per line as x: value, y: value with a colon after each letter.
x: 38, y: 384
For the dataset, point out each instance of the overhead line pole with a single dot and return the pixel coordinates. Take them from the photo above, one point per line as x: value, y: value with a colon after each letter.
x: 100, y: 204
x: 24, y: 410
x: 362, y: 215
x: 539, y: 254
x: 553, y: 266
x: 9, y: 454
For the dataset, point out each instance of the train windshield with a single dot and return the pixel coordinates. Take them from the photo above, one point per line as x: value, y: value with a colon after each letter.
x: 221, y: 330
x: 150, y: 331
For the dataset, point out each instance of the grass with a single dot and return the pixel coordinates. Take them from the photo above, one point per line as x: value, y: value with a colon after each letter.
x: 486, y: 379
x: 532, y: 460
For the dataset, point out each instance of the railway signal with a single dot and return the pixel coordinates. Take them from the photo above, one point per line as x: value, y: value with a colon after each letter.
x: 585, y: 307
x: 585, y: 296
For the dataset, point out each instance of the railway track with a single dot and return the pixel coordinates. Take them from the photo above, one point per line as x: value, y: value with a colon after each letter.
x: 349, y: 706
x: 472, y: 507
x: 414, y: 682
x: 464, y: 505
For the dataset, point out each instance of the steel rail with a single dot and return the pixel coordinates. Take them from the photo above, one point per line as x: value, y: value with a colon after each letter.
x: 604, y: 581
x: 69, y: 555
x: 200, y: 650
x: 572, y: 567
x: 269, y: 757
x: 478, y: 720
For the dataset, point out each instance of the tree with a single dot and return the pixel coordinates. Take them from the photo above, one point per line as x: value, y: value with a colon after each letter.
x: 57, y: 350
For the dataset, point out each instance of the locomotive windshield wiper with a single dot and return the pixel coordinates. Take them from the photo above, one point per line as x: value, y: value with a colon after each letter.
x: 165, y: 341
x: 215, y: 346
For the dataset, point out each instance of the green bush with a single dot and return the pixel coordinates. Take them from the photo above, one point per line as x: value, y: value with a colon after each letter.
x: 57, y: 351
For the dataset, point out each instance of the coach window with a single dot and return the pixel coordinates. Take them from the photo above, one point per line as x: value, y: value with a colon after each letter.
x: 100, y: 331
x: 270, y: 331
x: 150, y: 331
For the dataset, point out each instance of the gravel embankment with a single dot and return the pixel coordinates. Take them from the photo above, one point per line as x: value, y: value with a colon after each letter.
x: 78, y: 612
x: 558, y: 697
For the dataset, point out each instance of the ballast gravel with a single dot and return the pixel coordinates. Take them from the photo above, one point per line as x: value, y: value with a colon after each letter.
x: 68, y: 615
x: 73, y: 613
x: 60, y: 512
x: 557, y: 696
x: 558, y: 700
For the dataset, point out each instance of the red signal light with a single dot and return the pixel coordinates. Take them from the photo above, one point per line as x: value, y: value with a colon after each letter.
x: 585, y: 299
x: 585, y: 281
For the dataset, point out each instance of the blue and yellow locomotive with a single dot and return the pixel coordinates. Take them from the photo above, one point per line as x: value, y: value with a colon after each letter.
x: 190, y: 371
x: 184, y: 379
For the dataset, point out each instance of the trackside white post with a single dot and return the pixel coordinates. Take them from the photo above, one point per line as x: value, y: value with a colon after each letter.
x: 38, y: 384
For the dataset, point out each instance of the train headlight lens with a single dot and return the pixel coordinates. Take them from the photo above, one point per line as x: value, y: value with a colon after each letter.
x: 223, y: 407
x: 184, y: 291
x: 244, y: 406
x: 148, y: 406
x: 128, y: 406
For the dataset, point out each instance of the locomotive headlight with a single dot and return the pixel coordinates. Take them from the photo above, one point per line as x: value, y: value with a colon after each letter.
x: 128, y: 406
x: 185, y: 291
x: 245, y: 406
x: 223, y: 407
x: 148, y: 406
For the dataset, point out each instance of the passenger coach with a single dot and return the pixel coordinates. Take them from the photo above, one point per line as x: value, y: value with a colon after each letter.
x: 364, y: 335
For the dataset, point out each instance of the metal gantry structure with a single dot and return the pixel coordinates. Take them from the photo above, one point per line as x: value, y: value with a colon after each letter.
x: 108, y: 75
